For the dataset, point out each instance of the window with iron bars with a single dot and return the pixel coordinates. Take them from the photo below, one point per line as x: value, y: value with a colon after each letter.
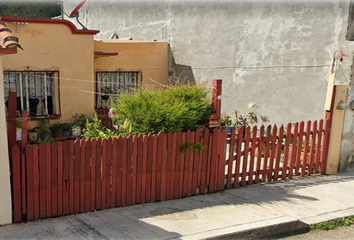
x: 110, y: 84
x: 37, y: 91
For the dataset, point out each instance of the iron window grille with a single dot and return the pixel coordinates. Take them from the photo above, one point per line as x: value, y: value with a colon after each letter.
x: 110, y: 84
x: 37, y: 91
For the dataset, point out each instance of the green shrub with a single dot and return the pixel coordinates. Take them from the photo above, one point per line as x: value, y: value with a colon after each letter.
x: 173, y: 109
x: 95, y: 130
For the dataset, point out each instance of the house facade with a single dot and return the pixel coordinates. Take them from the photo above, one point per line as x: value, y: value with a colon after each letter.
x: 64, y: 71
x: 272, y: 53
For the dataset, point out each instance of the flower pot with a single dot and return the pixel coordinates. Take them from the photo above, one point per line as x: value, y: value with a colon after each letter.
x: 76, y: 131
x: 105, y: 97
x: 45, y: 135
x: 229, y: 129
x: 59, y: 134
x: 66, y: 133
x: 32, y: 137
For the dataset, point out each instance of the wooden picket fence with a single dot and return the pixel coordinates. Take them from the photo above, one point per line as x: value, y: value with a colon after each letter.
x: 61, y: 178
x: 271, y: 154
x: 69, y: 177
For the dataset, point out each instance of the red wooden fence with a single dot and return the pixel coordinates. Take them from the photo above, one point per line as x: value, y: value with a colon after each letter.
x: 68, y: 177
x: 78, y: 176
x: 272, y: 154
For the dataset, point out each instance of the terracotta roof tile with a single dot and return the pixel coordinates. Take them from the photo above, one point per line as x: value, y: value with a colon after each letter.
x: 8, y: 40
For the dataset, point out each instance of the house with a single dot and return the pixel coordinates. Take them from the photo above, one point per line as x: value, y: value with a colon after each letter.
x: 272, y: 53
x: 8, y: 46
x: 64, y: 69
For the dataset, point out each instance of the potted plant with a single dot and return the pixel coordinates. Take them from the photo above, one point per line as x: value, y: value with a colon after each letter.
x: 57, y: 130
x: 66, y: 129
x: 106, y: 91
x: 227, y: 123
x: 33, y: 135
x: 75, y: 131
x: 44, y: 129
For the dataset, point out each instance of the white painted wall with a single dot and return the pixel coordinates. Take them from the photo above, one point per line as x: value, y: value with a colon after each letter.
x: 5, y: 187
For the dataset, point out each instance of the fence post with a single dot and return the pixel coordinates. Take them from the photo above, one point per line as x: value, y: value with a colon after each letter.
x: 336, y: 127
x: 11, y: 133
x: 216, y: 93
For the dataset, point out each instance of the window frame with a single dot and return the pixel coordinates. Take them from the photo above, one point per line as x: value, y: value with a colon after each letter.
x: 21, y: 92
x: 98, y: 80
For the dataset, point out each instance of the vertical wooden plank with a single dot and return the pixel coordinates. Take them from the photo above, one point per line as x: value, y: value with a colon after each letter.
x: 140, y: 168
x: 16, y: 183
x: 167, y: 173
x: 238, y: 157
x: 158, y: 167
x: 195, y: 164
x: 24, y: 136
x: 60, y: 178
x: 11, y: 126
x: 42, y: 178
x: 231, y: 158
x: 245, y: 157
x: 48, y: 182
x: 200, y: 159
x: 54, y: 187
x: 93, y: 174
x: 260, y: 152
x: 286, y: 152
x: 190, y: 167
x: 119, y: 172
x: 221, y: 158
x: 253, y: 154
x: 98, y: 179
x: 272, y: 153
x: 124, y: 171
x: 66, y: 208
x: 311, y: 169
x: 178, y: 170
x: 154, y: 169
x: 306, y: 149
x: 114, y: 170
x: 82, y: 175
x: 135, y: 167
x: 36, y: 181
x: 163, y: 145
x: 129, y: 170
x: 173, y: 166
x: 278, y: 153
x: 266, y: 154
x: 299, y: 148
x: 23, y: 184
x: 71, y: 176
x: 181, y: 160
x: 88, y: 149
x: 204, y: 161
x: 186, y: 165
x: 318, y: 146
x: 145, y: 155
x: 149, y: 168
x: 77, y: 165
x: 213, y: 165
x: 109, y: 173
x: 30, y: 182
x: 104, y: 174
x: 293, y: 151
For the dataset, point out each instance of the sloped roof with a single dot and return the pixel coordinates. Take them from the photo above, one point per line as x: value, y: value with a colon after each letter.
x: 7, y: 39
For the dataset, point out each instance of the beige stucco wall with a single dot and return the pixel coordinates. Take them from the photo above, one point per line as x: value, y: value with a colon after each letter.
x: 150, y: 57
x: 54, y: 46
x: 5, y: 190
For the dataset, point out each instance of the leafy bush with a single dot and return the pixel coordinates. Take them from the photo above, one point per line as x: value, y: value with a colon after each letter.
x: 95, y: 130
x: 173, y: 109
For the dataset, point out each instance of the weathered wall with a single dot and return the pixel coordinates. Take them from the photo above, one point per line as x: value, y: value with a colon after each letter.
x: 5, y: 196
x: 150, y: 57
x: 53, y: 46
x: 275, y: 54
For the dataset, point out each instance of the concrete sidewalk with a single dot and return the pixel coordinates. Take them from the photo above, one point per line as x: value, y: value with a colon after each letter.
x: 236, y: 213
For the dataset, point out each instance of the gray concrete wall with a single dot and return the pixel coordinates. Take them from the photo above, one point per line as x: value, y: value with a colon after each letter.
x: 275, y: 54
